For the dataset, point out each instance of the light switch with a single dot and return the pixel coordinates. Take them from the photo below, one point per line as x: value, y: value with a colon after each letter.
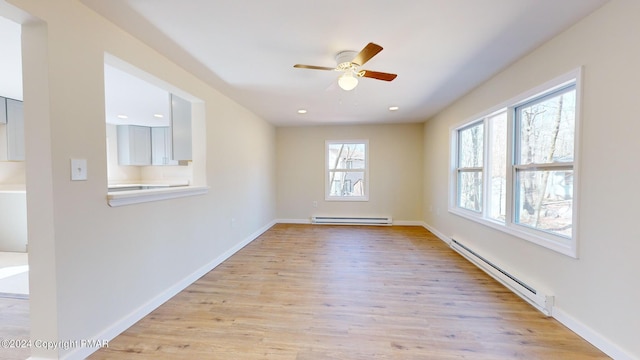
x: 78, y: 169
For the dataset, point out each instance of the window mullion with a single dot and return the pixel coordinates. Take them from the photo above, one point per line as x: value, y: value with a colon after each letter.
x: 510, y: 166
x: 528, y: 169
x: 348, y: 174
x: 486, y: 173
x: 471, y: 169
x: 549, y: 166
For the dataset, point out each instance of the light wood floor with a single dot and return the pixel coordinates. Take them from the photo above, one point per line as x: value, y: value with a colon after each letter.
x: 14, y: 303
x: 303, y: 292
x: 14, y: 324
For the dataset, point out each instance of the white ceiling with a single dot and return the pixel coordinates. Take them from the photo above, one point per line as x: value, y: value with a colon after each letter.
x: 10, y: 60
x: 133, y: 101
x: 125, y: 94
x: 440, y: 49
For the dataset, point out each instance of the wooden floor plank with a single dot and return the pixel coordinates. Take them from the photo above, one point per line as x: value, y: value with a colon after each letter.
x: 14, y: 318
x: 305, y: 292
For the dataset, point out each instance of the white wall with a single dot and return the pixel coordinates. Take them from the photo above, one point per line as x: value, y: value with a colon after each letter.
x: 395, y: 171
x: 11, y: 87
x: 12, y: 172
x: 597, y: 293
x: 117, y: 173
x: 94, y: 268
x: 13, y: 221
x: 10, y: 66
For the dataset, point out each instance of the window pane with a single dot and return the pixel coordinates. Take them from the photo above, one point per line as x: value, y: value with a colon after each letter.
x: 546, y: 129
x: 470, y: 190
x: 498, y: 166
x: 471, y: 144
x: 545, y: 200
x: 346, y: 183
x: 346, y: 156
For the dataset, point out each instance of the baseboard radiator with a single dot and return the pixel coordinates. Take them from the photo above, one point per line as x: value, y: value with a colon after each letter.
x: 344, y: 220
x: 540, y: 301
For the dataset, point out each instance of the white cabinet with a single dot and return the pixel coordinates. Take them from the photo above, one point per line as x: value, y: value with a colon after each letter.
x: 181, y: 128
x: 15, y: 130
x: 134, y: 145
x: 11, y: 130
x: 161, y: 146
x: 3, y: 110
x: 13, y: 221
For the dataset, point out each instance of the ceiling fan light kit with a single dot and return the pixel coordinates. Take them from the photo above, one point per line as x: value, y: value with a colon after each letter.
x: 349, y: 63
x: 347, y: 81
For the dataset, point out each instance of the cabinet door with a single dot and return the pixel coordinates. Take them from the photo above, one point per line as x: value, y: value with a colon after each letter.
x: 161, y: 145
x: 181, y: 128
x: 13, y: 222
x: 134, y: 145
x: 3, y: 110
x: 15, y: 130
x: 141, y: 145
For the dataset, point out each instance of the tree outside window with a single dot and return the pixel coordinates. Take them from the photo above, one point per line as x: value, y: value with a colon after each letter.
x: 346, y: 170
x: 513, y: 169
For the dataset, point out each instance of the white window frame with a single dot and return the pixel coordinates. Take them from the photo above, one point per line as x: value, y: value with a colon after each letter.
x: 365, y: 171
x: 471, y: 169
x: 563, y: 245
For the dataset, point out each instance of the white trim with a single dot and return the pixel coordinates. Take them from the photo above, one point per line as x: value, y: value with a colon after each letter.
x: 577, y: 155
x: 437, y: 233
x: 560, y: 244
x: 407, y: 223
x: 121, y: 198
x: 293, y: 221
x: 395, y: 222
x: 596, y: 339
x: 136, y: 315
x: 365, y: 171
x: 555, y: 83
x: 531, y: 294
x: 352, y: 220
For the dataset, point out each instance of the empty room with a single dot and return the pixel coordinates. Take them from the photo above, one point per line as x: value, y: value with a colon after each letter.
x: 319, y: 180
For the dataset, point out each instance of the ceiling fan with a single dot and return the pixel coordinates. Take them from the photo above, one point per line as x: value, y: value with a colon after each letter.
x: 349, y: 62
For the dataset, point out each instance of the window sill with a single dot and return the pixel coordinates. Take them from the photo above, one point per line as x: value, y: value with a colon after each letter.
x: 561, y: 245
x: 122, y: 198
x: 346, y: 198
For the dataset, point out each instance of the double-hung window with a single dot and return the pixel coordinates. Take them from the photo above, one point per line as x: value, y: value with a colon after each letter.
x: 470, y: 166
x: 346, y: 170
x: 514, y: 168
x: 543, y: 166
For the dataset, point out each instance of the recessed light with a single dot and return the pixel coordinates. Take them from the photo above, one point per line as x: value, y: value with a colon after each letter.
x: 159, y: 116
x: 393, y: 108
x: 121, y: 116
x: 302, y: 111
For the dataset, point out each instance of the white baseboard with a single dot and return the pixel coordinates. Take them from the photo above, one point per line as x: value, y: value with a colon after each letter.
x: 308, y: 221
x: 123, y: 324
x: 293, y: 221
x: 437, y: 233
x: 407, y: 223
x: 596, y: 339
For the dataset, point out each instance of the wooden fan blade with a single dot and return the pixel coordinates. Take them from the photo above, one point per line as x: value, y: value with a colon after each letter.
x: 377, y: 75
x: 312, y: 67
x: 367, y: 53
